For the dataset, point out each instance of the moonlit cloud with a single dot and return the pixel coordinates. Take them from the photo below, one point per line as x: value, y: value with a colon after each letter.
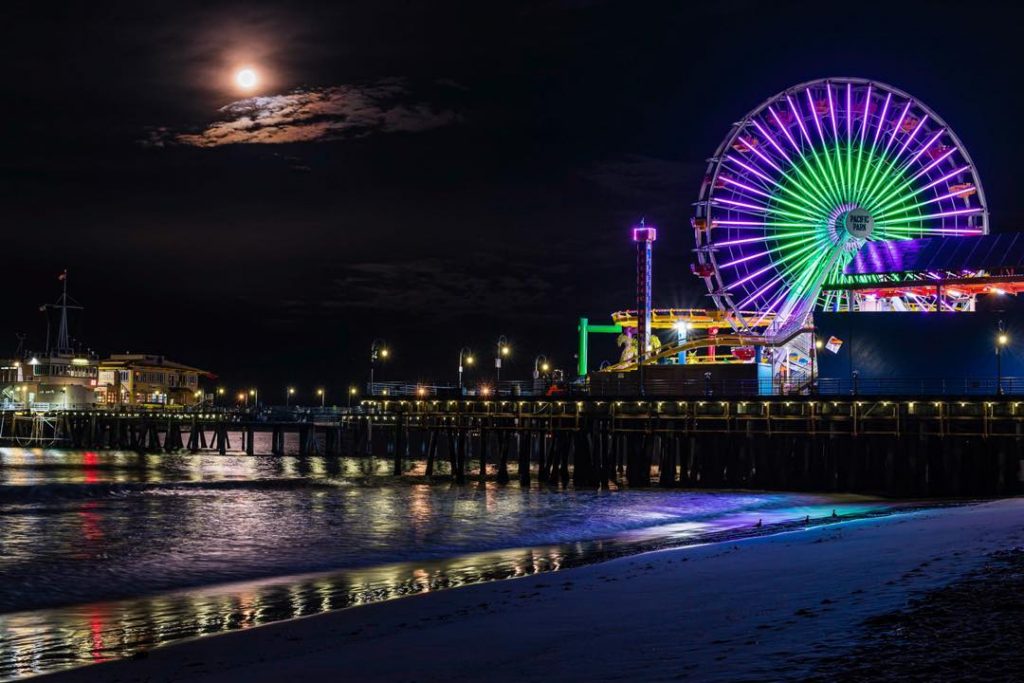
x: 314, y: 115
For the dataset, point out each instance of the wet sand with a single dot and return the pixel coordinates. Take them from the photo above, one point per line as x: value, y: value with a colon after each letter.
x: 788, y: 606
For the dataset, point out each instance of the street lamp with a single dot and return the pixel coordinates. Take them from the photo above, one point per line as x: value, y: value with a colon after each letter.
x: 352, y: 391
x: 540, y: 366
x: 1002, y: 339
x: 503, y: 351
x: 242, y: 398
x: 323, y: 396
x: 378, y: 351
x: 288, y: 396
x: 817, y: 346
x: 255, y: 393
x: 465, y: 357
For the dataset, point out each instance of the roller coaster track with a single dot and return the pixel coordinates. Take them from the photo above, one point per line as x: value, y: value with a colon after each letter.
x: 782, y: 338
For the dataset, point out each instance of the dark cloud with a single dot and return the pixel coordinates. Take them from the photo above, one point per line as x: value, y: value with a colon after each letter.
x: 314, y: 115
x: 443, y: 288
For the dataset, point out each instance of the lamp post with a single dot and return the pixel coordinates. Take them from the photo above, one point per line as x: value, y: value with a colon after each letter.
x: 815, y: 347
x: 378, y: 351
x: 351, y: 394
x: 503, y: 351
x: 541, y: 367
x: 1002, y: 339
x: 288, y: 396
x: 255, y: 393
x: 323, y: 396
x: 465, y: 358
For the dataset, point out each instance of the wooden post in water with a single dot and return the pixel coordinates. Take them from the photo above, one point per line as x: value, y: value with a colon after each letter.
x: 400, y: 438
x: 525, y: 446
x: 504, y: 443
x: 432, y: 438
x: 484, y: 445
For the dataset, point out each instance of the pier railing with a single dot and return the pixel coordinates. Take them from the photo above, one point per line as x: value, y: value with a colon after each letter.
x: 708, y: 386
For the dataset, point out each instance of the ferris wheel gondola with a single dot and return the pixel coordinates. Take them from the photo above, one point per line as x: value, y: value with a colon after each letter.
x: 806, y: 178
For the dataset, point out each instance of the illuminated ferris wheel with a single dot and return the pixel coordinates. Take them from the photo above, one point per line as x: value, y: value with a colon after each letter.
x: 810, y: 175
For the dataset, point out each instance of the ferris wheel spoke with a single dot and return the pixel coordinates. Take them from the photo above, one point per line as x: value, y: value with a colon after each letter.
x: 824, y: 143
x: 761, y: 210
x: 943, y: 214
x: 906, y: 167
x: 865, y: 115
x: 800, y: 120
x: 835, y: 136
x: 881, y: 120
x: 759, y: 293
x: 896, y: 127
x: 774, y: 183
x: 774, y: 264
x: 918, y: 205
x: 818, y: 181
x: 881, y: 209
x: 886, y: 201
x: 771, y: 140
x: 763, y: 157
x: 889, y: 174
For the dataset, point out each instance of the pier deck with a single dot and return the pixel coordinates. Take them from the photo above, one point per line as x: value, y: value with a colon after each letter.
x: 916, y: 447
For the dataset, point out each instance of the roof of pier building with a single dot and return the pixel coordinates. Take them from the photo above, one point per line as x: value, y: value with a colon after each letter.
x: 149, y: 360
x: 989, y: 253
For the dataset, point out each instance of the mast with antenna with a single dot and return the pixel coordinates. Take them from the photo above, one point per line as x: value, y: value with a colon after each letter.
x: 64, y: 304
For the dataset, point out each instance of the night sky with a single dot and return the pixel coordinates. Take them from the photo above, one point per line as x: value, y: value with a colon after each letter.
x: 431, y: 173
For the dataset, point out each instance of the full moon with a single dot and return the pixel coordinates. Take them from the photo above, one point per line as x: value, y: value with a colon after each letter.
x: 246, y: 79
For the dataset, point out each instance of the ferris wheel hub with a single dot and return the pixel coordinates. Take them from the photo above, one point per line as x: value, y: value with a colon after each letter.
x: 857, y: 222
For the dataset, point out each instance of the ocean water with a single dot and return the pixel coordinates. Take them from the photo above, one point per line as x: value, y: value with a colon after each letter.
x: 105, y: 554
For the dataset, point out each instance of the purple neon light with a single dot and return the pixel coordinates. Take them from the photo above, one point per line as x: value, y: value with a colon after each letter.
x: 814, y: 115
x: 849, y: 114
x: 799, y: 119
x: 924, y: 148
x: 881, y: 120
x: 911, y: 136
x: 832, y: 112
x: 867, y: 111
x: 785, y: 130
x: 944, y: 214
x: 896, y: 128
x: 771, y: 140
x: 760, y: 155
x: 645, y: 234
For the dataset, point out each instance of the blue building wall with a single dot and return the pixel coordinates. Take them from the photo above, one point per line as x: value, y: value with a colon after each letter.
x: 884, y: 346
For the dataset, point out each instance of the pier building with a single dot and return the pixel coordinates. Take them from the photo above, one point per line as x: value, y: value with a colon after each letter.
x: 144, y: 379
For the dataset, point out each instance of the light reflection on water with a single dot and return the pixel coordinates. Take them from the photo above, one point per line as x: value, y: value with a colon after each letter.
x: 103, y: 554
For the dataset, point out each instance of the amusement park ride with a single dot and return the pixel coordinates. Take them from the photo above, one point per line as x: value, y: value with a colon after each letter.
x: 840, y: 195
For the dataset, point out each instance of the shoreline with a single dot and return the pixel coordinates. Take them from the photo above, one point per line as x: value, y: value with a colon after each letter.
x: 774, y: 604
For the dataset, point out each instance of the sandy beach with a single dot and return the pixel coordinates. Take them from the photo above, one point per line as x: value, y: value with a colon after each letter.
x: 773, y: 607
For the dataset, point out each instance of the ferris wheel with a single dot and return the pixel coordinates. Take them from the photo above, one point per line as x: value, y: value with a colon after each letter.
x: 806, y: 178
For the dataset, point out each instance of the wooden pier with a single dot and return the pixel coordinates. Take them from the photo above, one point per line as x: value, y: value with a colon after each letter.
x: 917, y: 447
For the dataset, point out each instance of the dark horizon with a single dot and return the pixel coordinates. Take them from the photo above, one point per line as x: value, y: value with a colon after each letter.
x: 440, y: 174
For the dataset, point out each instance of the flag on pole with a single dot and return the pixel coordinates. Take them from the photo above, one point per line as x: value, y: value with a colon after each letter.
x: 63, y: 276
x: 834, y: 344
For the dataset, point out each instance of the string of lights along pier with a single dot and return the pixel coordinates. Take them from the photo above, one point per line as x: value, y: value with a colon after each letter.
x: 806, y: 178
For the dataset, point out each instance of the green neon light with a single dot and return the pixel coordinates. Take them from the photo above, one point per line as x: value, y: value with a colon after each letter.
x: 816, y: 191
